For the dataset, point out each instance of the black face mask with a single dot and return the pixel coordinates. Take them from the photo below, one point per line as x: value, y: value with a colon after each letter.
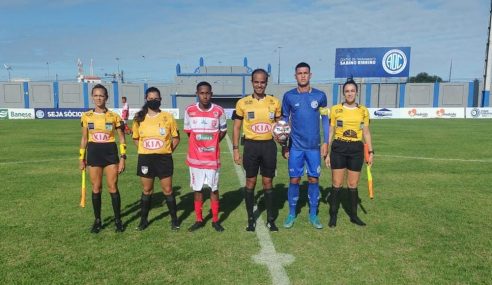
x: 154, y: 104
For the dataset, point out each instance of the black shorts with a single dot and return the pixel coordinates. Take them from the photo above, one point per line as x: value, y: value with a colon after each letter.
x: 260, y: 155
x: 155, y: 165
x: 102, y: 154
x: 346, y: 154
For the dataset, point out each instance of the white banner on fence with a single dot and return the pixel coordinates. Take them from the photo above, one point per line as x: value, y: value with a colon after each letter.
x: 479, y: 113
x: 22, y: 114
x: 133, y: 111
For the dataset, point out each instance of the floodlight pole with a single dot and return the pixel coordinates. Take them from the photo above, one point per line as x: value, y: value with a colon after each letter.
x: 278, y: 75
x: 488, y: 66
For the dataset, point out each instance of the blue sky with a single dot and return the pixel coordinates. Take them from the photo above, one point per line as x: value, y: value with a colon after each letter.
x: 151, y: 37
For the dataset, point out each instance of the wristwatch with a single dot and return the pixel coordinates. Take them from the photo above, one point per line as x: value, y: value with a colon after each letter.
x: 123, y: 156
x: 371, y: 151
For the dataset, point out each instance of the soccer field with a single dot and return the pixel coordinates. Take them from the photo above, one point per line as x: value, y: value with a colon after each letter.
x: 430, y: 221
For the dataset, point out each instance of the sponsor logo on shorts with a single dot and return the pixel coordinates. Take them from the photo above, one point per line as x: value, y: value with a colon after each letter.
x: 152, y: 144
x: 100, y: 137
x: 144, y: 169
x: 204, y: 137
x: 261, y: 128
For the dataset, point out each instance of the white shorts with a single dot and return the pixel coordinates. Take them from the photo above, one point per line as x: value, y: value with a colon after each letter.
x: 200, y: 178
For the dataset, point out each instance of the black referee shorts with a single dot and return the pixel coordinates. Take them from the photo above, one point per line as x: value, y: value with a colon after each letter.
x: 345, y: 154
x: 102, y: 154
x: 155, y: 165
x: 260, y: 155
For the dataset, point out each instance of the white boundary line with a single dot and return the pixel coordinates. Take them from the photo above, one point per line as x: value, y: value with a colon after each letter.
x: 434, y: 158
x: 267, y: 256
x: 74, y: 158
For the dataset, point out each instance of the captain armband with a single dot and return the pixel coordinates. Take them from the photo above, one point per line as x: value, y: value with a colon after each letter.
x: 82, y: 154
x: 122, y: 148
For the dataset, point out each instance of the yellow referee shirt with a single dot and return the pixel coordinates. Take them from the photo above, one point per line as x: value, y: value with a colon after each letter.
x: 155, y: 133
x: 349, y: 122
x: 101, y: 126
x: 258, y: 116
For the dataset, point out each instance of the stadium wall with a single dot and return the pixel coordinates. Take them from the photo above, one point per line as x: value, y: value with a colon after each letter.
x: 227, y: 90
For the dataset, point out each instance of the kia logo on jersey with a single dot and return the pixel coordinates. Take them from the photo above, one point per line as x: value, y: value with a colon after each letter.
x: 261, y: 128
x: 152, y: 144
x: 100, y: 137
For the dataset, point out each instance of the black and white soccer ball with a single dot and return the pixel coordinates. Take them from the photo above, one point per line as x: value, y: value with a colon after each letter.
x: 281, y: 131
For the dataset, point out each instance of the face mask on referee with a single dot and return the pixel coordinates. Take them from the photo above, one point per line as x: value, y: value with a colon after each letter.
x: 154, y: 104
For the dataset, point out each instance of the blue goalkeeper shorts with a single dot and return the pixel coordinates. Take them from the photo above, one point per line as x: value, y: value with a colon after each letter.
x: 298, y: 158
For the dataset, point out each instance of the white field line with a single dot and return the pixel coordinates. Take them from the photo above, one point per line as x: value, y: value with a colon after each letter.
x: 435, y: 158
x: 267, y: 256
x: 75, y: 158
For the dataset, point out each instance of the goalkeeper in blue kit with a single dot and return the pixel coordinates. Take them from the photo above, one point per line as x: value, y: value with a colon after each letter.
x: 302, y: 107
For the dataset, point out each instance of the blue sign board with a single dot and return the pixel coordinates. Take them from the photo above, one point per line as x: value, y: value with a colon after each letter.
x: 59, y: 113
x: 372, y: 62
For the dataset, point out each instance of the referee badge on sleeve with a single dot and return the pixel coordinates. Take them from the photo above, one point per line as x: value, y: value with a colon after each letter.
x: 144, y: 169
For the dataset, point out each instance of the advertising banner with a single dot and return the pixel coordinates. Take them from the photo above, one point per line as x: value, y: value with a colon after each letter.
x: 372, y: 62
x: 60, y: 113
x: 479, y: 113
x: 21, y: 114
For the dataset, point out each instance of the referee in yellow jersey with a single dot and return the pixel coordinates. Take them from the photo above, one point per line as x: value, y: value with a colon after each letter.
x: 156, y: 136
x: 349, y: 125
x: 257, y: 113
x: 98, y: 128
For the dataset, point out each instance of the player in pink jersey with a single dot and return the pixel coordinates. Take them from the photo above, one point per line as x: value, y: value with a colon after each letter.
x: 125, y: 113
x: 205, y: 124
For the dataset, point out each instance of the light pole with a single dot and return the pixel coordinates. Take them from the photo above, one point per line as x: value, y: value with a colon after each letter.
x: 118, y: 61
x: 48, y: 66
x: 278, y: 75
x: 8, y: 68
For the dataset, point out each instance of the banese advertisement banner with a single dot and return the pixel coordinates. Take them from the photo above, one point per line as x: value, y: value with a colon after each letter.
x: 60, y: 113
x: 372, y: 62
x: 21, y: 114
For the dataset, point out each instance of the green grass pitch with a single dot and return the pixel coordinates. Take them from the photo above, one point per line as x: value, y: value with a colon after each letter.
x: 430, y: 221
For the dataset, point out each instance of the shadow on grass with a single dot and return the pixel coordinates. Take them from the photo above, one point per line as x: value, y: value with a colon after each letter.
x: 229, y: 202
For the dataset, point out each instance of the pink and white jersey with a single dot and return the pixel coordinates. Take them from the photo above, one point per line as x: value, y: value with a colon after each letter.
x: 204, y: 127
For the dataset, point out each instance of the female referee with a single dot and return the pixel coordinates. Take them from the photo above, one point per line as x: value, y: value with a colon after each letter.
x: 156, y: 136
x: 98, y: 128
x: 349, y: 123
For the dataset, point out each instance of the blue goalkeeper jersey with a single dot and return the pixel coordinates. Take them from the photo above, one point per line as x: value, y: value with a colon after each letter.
x: 302, y: 111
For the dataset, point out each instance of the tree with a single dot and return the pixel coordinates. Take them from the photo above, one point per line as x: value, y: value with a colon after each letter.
x: 424, y: 77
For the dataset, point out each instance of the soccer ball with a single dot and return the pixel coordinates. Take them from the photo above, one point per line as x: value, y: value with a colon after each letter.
x: 281, y: 131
